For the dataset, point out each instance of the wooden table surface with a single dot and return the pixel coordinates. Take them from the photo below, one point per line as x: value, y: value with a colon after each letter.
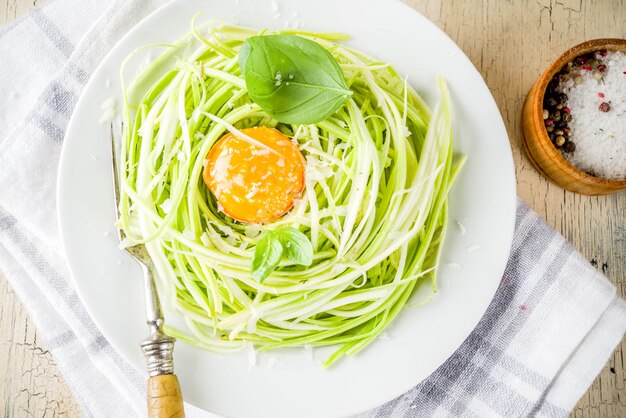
x: 510, y: 42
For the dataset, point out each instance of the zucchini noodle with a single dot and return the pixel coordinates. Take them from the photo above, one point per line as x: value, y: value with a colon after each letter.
x: 378, y: 174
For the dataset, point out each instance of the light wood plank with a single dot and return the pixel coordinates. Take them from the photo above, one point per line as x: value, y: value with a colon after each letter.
x: 30, y: 382
x: 511, y: 43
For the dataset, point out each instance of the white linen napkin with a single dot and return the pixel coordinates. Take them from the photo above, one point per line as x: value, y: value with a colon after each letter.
x: 548, y: 332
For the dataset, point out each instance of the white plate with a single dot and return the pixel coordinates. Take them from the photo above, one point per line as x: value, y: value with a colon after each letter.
x: 483, y: 200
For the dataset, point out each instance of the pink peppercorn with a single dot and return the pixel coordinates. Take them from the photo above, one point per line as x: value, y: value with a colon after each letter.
x: 604, y: 107
x: 602, y: 52
x: 549, y: 122
x: 602, y: 68
x: 601, y: 95
x: 566, y: 109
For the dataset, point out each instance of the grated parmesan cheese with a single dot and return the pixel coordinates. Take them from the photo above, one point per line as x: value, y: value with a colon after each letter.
x: 109, y: 112
x: 231, y: 240
x: 204, y: 238
x: 308, y: 351
x: 252, y: 231
x: 254, y: 318
x: 461, y: 227
x: 272, y: 361
x: 166, y: 206
x: 473, y: 248
x: 251, y: 355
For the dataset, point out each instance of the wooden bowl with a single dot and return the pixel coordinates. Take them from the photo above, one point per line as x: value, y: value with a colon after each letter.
x: 540, y: 150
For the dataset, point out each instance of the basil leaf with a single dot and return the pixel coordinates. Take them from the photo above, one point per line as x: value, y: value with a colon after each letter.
x: 293, y: 79
x: 296, y: 245
x: 244, y: 53
x: 267, y: 255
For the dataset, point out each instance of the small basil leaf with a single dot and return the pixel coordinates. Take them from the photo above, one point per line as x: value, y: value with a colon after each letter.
x: 293, y: 79
x: 267, y: 255
x: 296, y: 245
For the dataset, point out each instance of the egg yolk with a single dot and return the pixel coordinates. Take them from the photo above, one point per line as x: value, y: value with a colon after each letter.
x: 252, y: 183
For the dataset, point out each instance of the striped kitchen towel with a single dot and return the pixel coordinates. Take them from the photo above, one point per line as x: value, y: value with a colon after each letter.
x: 548, y: 332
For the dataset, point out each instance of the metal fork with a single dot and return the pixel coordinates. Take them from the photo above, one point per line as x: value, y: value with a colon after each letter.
x: 164, y: 397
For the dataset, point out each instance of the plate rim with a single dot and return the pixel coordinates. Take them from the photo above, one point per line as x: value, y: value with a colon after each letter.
x: 63, y: 167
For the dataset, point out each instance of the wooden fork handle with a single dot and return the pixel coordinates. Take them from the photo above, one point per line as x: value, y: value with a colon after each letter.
x: 165, y: 400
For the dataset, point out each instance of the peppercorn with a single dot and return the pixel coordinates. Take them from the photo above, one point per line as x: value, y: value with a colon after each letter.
x: 550, y: 128
x: 552, y: 85
x: 546, y: 114
x: 578, y: 79
x: 562, y: 97
x: 560, y: 140
x: 581, y: 60
x: 560, y: 124
x: 601, y: 68
x: 597, y: 75
x: 552, y: 137
x: 567, y: 117
x: 549, y: 122
x: 569, y: 147
x: 558, y: 132
x: 604, y: 107
x: 551, y: 102
x: 556, y: 116
x: 559, y: 106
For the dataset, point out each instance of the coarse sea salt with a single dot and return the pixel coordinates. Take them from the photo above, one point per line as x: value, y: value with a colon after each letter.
x: 308, y: 351
x: 600, y: 137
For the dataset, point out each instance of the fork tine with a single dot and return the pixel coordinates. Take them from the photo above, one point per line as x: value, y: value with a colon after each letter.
x: 158, y: 347
x: 116, y: 185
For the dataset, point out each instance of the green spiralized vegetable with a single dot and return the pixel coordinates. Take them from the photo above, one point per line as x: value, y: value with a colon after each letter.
x: 374, y: 207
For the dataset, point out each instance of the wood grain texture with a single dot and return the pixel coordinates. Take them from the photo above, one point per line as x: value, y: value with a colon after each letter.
x: 30, y: 382
x: 511, y: 43
x: 165, y: 400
